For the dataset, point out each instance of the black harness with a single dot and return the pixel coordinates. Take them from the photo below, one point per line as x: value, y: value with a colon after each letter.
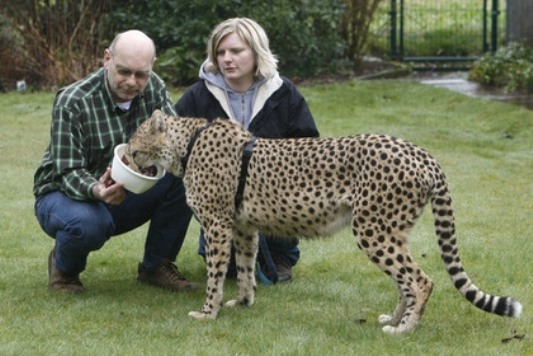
x: 263, y: 246
x: 246, y: 156
x: 185, y: 159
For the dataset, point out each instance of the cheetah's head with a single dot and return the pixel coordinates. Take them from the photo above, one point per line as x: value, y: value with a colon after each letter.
x: 150, y: 144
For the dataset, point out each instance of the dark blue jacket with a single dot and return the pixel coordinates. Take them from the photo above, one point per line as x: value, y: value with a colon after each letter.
x: 284, y: 114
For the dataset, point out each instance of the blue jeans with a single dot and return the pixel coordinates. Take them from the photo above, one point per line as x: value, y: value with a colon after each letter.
x: 285, y: 247
x: 80, y: 227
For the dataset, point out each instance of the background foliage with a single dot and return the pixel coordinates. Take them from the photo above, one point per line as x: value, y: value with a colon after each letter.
x: 510, y: 67
x: 303, y: 33
x: 52, y: 43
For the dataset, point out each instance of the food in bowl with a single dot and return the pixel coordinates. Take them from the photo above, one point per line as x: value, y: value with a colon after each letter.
x: 135, y: 181
x: 149, y: 171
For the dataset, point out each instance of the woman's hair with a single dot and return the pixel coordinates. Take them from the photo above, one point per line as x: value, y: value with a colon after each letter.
x: 253, y: 35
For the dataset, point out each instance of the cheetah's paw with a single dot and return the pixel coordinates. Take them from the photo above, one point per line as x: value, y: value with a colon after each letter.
x: 202, y: 315
x: 384, y: 319
x: 392, y: 330
x: 232, y: 303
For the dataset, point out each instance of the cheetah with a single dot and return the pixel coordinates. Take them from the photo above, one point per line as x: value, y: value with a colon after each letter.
x: 309, y: 187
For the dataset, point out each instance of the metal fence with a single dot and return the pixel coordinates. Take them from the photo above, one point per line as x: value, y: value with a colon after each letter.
x: 437, y: 31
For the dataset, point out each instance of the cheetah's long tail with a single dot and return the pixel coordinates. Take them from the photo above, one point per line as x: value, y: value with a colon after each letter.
x: 445, y: 229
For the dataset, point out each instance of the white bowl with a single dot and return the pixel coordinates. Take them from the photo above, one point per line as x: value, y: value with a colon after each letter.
x: 133, y: 181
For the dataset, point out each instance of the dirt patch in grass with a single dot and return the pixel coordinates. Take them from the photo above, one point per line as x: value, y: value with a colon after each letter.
x: 372, y: 68
x: 456, y: 80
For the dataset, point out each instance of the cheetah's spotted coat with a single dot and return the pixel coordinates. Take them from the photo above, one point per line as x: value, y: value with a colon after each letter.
x: 311, y: 187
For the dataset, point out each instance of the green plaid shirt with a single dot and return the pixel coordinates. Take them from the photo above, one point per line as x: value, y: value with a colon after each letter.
x: 86, y: 126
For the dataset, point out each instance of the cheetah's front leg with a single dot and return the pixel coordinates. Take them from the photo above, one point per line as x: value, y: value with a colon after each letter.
x: 218, y: 249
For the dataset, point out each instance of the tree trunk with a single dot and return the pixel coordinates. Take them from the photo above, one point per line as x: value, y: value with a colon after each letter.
x: 519, y: 21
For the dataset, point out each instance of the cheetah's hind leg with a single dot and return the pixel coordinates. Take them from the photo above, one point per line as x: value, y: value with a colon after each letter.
x: 415, y: 288
x: 394, y: 318
x: 246, y: 246
x: 413, y: 285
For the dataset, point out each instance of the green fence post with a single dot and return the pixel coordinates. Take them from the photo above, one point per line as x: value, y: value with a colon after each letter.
x: 484, y: 39
x: 393, y: 46
x: 494, y: 31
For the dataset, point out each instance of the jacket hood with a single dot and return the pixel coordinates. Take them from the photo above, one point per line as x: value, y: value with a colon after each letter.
x: 212, y: 78
x: 216, y: 84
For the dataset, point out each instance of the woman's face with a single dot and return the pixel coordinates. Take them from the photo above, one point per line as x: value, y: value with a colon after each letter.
x: 236, y: 60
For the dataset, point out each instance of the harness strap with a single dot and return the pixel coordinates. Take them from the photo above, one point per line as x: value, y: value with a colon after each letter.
x: 185, y: 159
x: 263, y: 247
x: 246, y: 155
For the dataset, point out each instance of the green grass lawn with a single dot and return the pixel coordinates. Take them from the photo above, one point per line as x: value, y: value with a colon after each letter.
x: 486, y: 149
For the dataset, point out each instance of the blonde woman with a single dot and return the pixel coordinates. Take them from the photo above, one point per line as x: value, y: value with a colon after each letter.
x: 240, y: 81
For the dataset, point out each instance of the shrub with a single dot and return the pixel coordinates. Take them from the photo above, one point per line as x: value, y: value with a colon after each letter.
x: 304, y: 34
x: 12, y: 64
x: 54, y: 42
x: 355, y: 26
x: 60, y: 41
x: 510, y: 67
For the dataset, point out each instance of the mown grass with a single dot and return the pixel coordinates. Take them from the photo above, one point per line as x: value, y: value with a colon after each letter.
x: 486, y: 149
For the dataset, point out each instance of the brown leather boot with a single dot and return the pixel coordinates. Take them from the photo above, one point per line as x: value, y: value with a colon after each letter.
x: 166, y: 276
x: 60, y: 281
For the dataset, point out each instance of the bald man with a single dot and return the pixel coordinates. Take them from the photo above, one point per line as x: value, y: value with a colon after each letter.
x: 77, y: 203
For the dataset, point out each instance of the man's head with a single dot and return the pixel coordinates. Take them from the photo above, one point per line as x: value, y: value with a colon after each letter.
x: 128, y: 62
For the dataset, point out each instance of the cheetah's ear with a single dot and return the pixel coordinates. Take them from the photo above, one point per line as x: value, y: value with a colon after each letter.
x: 158, y: 121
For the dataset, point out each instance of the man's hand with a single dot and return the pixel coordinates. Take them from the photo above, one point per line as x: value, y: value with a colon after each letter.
x: 108, y: 191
